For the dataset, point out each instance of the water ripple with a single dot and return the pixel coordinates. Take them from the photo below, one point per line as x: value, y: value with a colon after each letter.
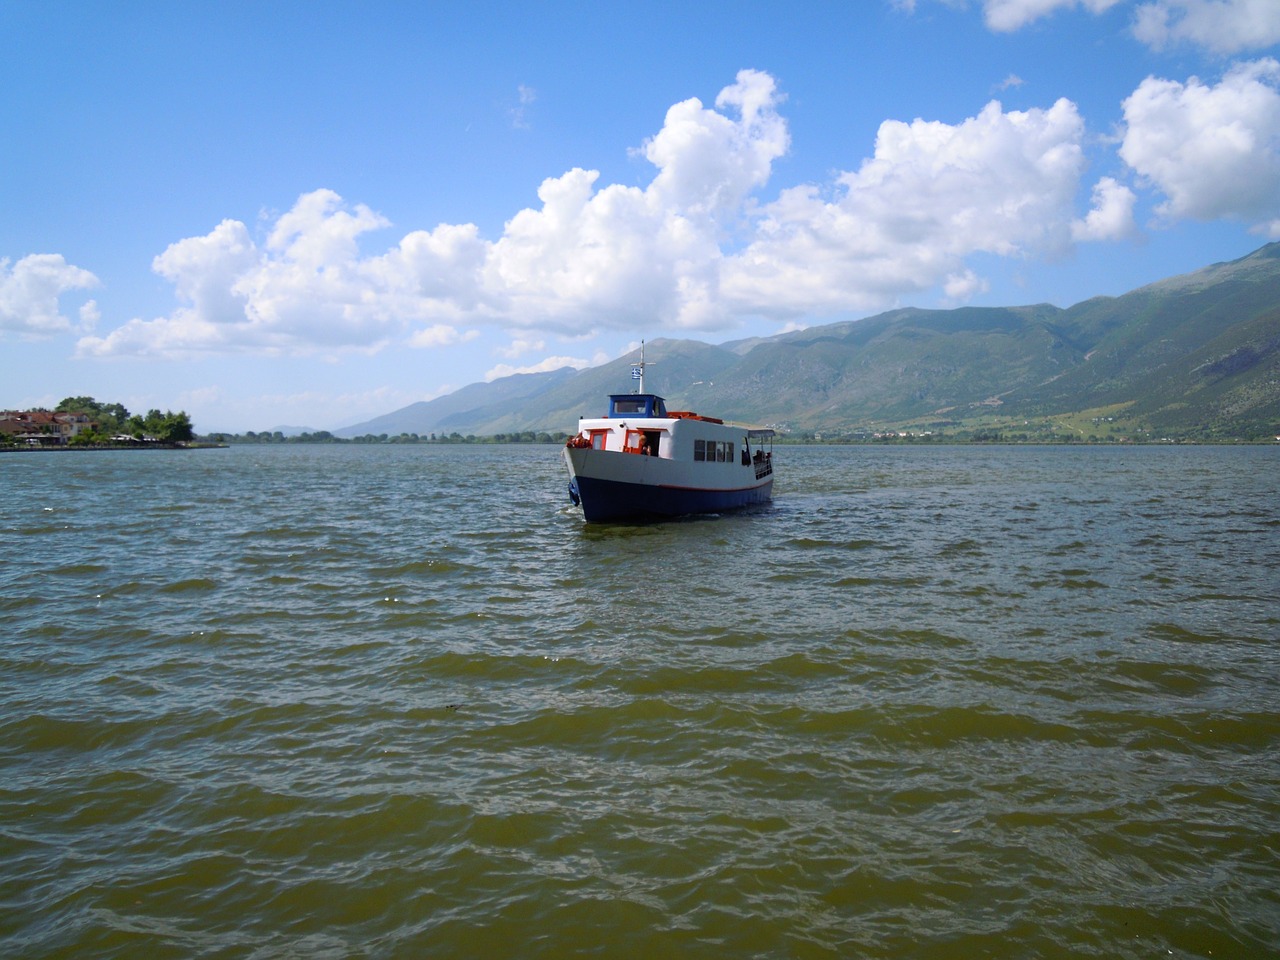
x: 394, y: 702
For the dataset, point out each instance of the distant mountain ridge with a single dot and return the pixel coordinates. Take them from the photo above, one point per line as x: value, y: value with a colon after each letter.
x: 1196, y: 356
x: 461, y: 410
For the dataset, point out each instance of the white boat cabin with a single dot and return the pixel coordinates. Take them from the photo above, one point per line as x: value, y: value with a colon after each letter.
x: 640, y: 423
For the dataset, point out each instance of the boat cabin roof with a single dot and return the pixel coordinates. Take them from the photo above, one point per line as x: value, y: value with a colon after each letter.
x: 637, y: 405
x: 650, y: 405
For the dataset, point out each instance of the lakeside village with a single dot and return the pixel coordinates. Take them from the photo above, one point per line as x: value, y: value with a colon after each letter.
x: 82, y: 422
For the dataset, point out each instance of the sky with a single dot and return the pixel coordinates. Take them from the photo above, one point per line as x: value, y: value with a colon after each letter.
x: 312, y: 214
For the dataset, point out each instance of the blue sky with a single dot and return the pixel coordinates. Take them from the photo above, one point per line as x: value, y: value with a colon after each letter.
x: 316, y: 213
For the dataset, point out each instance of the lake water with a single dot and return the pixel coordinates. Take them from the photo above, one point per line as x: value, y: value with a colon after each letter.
x: 385, y: 702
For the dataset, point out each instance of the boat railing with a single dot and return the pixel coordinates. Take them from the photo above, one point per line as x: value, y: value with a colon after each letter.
x: 764, y: 464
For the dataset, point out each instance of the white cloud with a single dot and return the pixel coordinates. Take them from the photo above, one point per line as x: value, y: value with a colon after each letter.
x: 694, y: 249
x: 434, y: 276
x: 205, y: 271
x: 29, y: 293
x: 521, y: 346
x: 308, y: 289
x: 1000, y: 183
x: 1222, y: 26
x: 311, y: 287
x: 1214, y: 151
x: 708, y: 162
x: 1111, y: 217
x: 963, y: 286
x: 546, y: 366
x: 89, y: 315
x: 525, y: 96
x: 1009, y: 15
x: 624, y: 256
x: 441, y: 335
x: 587, y: 257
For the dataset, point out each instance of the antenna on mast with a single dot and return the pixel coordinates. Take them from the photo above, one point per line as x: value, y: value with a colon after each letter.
x: 637, y: 369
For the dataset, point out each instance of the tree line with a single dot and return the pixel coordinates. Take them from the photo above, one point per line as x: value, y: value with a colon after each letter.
x: 324, y: 436
x: 111, y: 420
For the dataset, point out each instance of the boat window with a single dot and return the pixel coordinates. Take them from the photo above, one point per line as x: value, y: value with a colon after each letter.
x: 630, y: 406
x: 715, y: 451
x: 597, y: 439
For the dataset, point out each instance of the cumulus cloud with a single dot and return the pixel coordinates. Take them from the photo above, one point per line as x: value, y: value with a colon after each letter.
x: 1222, y: 26
x: 962, y: 287
x: 707, y: 161
x: 1213, y: 151
x: 307, y: 289
x: 621, y: 256
x: 1111, y: 216
x: 932, y: 194
x: 206, y: 270
x: 588, y: 256
x: 89, y: 315
x: 29, y: 294
x: 699, y: 247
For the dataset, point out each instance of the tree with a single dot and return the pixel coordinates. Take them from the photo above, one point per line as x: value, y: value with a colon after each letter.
x: 109, y: 417
x: 78, y: 405
x: 175, y: 428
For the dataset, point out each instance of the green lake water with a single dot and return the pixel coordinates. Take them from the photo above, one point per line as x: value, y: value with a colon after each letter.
x: 399, y: 702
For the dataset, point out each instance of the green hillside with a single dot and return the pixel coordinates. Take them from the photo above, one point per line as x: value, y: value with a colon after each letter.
x: 1192, y: 357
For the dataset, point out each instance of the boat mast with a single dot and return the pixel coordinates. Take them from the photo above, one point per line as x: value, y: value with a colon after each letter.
x: 637, y: 368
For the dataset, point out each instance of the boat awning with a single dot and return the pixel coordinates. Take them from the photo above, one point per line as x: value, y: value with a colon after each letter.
x: 761, y: 433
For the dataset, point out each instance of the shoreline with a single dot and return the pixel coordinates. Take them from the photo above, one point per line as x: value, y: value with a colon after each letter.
x: 65, y: 448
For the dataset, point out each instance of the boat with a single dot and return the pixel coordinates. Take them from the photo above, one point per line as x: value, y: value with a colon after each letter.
x: 643, y: 461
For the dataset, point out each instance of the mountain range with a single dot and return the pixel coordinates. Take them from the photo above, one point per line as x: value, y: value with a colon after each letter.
x: 1192, y: 357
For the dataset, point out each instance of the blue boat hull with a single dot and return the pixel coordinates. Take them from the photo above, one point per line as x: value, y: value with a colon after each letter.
x: 606, y: 500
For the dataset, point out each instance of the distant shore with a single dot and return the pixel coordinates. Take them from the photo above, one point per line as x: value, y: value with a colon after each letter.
x: 67, y: 448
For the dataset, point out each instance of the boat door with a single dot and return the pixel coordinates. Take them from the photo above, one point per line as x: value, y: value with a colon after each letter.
x: 642, y: 441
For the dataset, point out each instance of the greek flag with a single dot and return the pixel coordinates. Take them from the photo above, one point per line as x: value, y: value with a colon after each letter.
x: 635, y: 373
